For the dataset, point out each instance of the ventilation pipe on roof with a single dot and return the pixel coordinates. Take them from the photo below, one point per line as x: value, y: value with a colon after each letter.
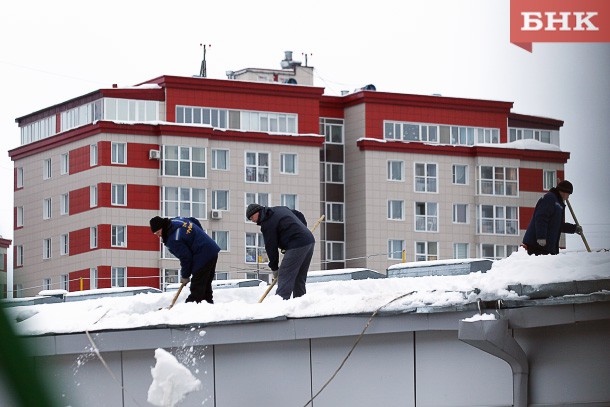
x: 493, y: 337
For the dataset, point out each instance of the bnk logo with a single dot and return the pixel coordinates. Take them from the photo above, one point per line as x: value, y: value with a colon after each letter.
x: 580, y: 21
x: 559, y: 21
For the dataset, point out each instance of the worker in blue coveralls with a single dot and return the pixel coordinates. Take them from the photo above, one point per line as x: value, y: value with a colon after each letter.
x: 548, y: 221
x: 285, y: 229
x: 197, y: 252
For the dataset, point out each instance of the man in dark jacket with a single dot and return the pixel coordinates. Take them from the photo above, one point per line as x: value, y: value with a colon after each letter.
x: 548, y: 221
x: 284, y: 229
x: 197, y: 252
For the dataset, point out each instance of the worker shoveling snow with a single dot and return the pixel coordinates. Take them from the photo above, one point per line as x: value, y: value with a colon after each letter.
x: 171, y: 381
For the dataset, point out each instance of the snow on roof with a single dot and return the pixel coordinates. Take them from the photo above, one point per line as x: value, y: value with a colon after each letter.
x: 322, y: 299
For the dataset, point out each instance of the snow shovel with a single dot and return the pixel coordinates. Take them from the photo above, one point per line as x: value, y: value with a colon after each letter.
x: 176, y: 296
x: 275, y: 279
x: 582, y: 234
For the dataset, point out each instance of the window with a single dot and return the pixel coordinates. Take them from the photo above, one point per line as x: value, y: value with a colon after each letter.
x: 221, y: 275
x: 46, y: 208
x: 289, y: 200
x: 334, y: 212
x: 93, y: 196
x: 460, y: 250
x: 515, y: 134
x: 131, y: 110
x: 119, y: 236
x: 184, y: 162
x: 332, y: 129
x: 496, y: 252
x: 549, y: 179
x: 220, y: 159
x: 119, y: 195
x: 64, y: 244
x: 425, y: 177
x: 288, y: 164
x: 93, y: 155
x: 186, y: 202
x: 426, y: 216
x: 221, y: 237
x: 460, y: 174
x: 395, y: 249
x: 46, y: 284
x: 19, y: 256
x: 498, y: 181
x: 335, y: 251
x: 119, y: 153
x: 396, y: 209
x: 220, y: 200
x: 498, y: 220
x: 118, y: 277
x: 260, y: 198
x: 93, y: 237
x: 460, y: 213
x: 334, y: 173
x: 46, y: 249
x: 426, y: 251
x: 38, y: 130
x: 93, y: 278
x: 64, y: 204
x: 255, y: 249
x: 81, y: 115
x: 64, y: 282
x: 396, y: 170
x: 46, y: 169
x: 257, y: 167
x: 169, y: 276
x: 19, y: 177
x: 410, y: 131
x: 468, y: 136
x: 19, y: 220
x: 65, y: 164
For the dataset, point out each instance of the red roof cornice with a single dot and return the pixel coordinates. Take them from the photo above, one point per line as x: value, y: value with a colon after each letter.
x: 425, y: 101
x: 475, y: 151
x: 235, y: 86
x: 523, y: 120
x: 165, y: 129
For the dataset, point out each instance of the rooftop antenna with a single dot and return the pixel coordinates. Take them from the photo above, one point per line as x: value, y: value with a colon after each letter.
x: 203, y: 71
x: 305, y: 55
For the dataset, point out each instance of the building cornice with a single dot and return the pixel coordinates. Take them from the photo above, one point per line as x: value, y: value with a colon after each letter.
x: 162, y: 129
x: 463, y: 151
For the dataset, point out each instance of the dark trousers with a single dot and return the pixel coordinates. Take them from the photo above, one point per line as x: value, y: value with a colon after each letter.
x: 536, y: 249
x: 201, y: 283
x: 292, y: 273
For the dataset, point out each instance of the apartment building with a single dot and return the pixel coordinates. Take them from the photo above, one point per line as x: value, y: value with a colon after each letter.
x: 397, y: 176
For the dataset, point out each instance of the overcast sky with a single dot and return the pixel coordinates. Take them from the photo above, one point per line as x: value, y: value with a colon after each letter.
x: 54, y: 51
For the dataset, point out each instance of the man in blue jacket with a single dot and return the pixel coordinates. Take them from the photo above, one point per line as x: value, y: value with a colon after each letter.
x: 285, y: 229
x: 548, y: 221
x: 197, y: 252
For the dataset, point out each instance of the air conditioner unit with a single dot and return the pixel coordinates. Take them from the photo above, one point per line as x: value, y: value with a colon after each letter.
x: 216, y: 215
x: 154, y: 155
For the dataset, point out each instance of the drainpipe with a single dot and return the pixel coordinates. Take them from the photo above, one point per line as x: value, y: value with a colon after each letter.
x: 493, y: 337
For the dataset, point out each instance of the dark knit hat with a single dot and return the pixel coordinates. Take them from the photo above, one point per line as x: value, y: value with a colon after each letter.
x: 252, y: 209
x: 565, y: 186
x: 157, y: 223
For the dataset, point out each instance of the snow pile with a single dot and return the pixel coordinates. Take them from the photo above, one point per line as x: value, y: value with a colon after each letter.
x: 322, y: 299
x: 171, y: 381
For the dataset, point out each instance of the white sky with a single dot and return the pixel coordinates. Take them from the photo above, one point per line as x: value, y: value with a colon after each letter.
x: 54, y: 51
